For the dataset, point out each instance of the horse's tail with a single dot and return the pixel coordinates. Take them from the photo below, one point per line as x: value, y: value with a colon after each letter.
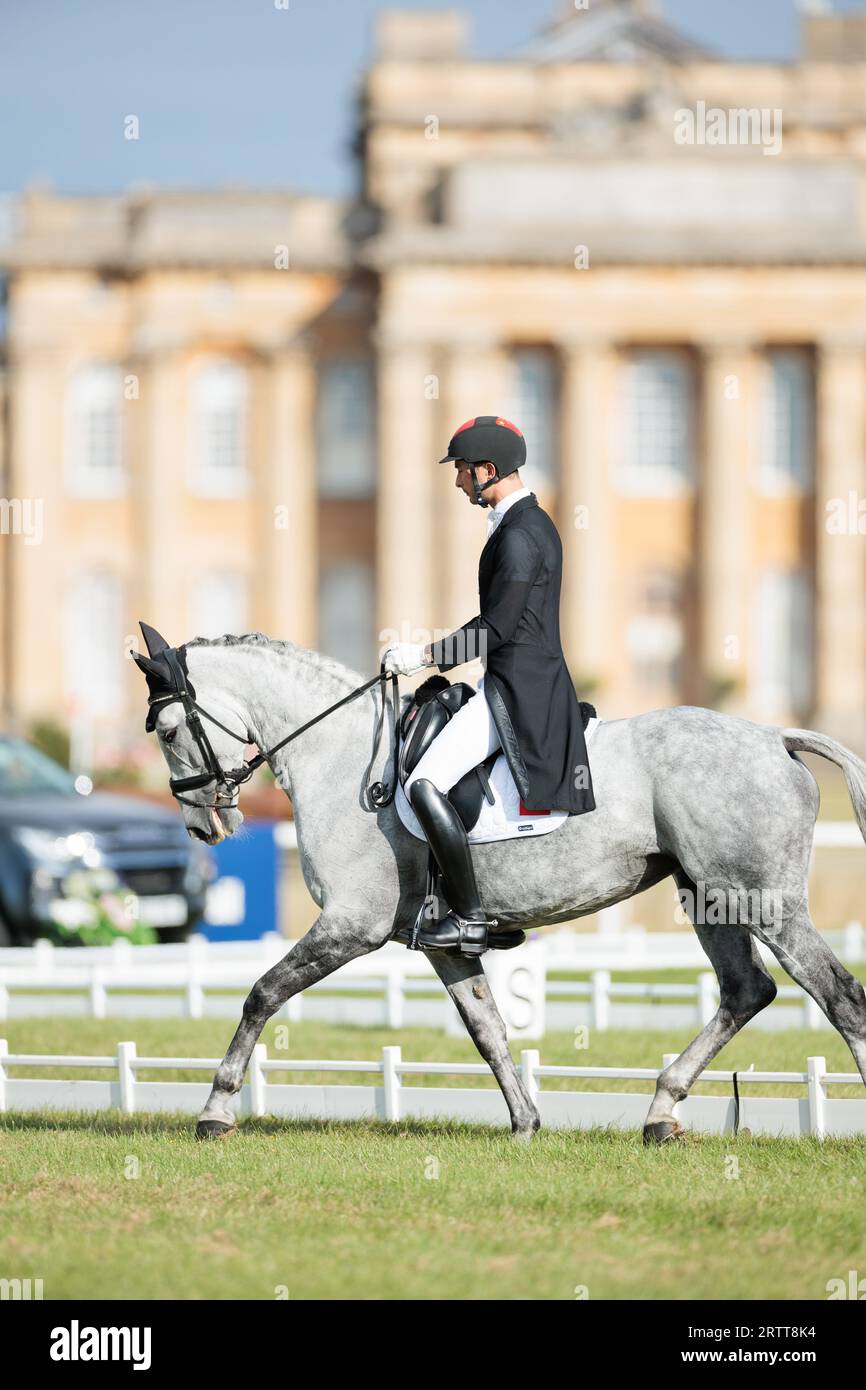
x: 806, y: 741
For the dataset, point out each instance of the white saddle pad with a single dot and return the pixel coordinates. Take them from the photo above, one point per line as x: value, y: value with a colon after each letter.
x: 502, y: 820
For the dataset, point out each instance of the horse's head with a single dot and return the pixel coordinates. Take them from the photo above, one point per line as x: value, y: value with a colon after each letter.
x: 199, y: 743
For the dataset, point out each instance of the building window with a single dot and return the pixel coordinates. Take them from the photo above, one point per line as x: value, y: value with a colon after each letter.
x: 532, y: 407
x: 346, y: 613
x: 655, y: 642
x: 219, y: 405
x: 787, y: 424
x: 655, y: 635
x: 345, y: 428
x: 782, y: 652
x: 93, y: 648
x: 218, y: 604
x: 657, y: 444
x: 95, y: 441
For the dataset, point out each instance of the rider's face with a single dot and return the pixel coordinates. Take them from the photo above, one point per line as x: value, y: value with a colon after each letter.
x: 463, y: 475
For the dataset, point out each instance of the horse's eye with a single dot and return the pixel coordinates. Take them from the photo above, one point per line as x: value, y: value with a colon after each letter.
x: 170, y: 735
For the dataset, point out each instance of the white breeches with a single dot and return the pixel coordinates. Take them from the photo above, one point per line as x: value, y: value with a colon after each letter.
x: 468, y: 738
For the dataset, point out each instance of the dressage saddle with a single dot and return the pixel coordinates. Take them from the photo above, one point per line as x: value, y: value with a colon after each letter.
x: 433, y: 704
x: 431, y: 707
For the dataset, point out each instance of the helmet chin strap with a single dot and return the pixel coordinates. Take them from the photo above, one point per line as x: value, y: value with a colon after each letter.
x: 478, y: 488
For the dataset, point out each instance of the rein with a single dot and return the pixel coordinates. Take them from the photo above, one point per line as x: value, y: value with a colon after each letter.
x: 379, y: 794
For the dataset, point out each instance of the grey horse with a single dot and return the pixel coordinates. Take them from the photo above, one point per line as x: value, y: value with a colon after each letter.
x: 723, y: 805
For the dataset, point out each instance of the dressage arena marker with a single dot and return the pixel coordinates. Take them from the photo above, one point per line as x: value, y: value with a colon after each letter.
x: 814, y: 1114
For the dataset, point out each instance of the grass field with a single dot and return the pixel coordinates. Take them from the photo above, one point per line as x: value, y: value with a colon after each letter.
x: 108, y: 1206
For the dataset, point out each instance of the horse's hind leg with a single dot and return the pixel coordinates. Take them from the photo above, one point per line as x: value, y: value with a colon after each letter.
x: 464, y: 978
x: 801, y: 950
x: 329, y: 943
x: 745, y: 987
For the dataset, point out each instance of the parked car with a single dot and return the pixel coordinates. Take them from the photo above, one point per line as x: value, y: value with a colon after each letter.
x: 52, y: 827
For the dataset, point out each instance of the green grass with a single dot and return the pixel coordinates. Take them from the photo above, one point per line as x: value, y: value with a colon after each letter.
x: 351, y: 1211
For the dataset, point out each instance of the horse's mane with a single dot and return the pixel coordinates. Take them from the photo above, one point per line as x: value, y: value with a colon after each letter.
x: 280, y: 647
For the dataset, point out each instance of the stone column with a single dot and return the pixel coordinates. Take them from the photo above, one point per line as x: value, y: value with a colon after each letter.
x: 287, y: 522
x: 408, y: 490
x: 727, y: 443
x: 840, y: 546
x: 588, y: 383
x: 158, y: 443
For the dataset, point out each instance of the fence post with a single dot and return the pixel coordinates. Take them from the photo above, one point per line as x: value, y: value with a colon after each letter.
x: 853, y: 948
x: 293, y: 1009
x: 812, y: 1015
x: 706, y: 997
x: 4, y: 1053
x: 530, y: 1060
x: 126, y: 1075
x: 121, y: 954
x: 257, y: 1080
x: 391, y: 1059
x: 600, y: 999
x: 194, y: 996
x: 97, y: 994
x: 394, y: 995
x: 816, y: 1068
x: 43, y: 953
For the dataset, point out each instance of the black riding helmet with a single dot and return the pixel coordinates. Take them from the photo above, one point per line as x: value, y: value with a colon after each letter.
x: 488, y: 439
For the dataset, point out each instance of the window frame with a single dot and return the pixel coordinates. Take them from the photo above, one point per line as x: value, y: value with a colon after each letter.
x: 641, y: 480
x: 80, y: 477
x: 768, y: 480
x: 204, y: 479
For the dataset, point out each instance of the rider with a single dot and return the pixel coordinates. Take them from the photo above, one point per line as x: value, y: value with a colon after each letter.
x: 525, y: 703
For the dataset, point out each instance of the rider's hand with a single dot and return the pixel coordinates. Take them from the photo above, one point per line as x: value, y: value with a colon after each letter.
x: 406, y: 658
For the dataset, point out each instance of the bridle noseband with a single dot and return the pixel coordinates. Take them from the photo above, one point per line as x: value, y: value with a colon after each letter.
x: 228, y: 782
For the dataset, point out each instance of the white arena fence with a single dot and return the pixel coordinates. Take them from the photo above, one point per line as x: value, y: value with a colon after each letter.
x: 395, y: 988
x: 386, y: 1097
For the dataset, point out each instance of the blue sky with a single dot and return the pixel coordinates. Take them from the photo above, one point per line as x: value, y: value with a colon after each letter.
x: 238, y: 92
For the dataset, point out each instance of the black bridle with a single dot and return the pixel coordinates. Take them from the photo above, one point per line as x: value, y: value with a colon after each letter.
x: 227, y: 783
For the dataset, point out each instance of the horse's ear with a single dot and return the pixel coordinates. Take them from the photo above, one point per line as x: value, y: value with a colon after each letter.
x: 156, y: 643
x: 145, y: 664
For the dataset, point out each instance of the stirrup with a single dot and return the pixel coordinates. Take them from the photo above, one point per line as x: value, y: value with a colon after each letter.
x: 466, y: 928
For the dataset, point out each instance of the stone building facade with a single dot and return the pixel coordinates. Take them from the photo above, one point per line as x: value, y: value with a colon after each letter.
x: 226, y: 406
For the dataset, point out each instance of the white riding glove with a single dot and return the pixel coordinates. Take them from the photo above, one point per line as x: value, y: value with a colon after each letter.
x: 406, y: 658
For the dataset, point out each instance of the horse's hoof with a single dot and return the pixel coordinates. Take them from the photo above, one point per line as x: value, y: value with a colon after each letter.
x: 214, y: 1129
x: 522, y: 1136
x: 662, y: 1131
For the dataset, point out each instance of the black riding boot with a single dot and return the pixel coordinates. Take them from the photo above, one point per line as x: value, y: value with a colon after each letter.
x: 465, y: 927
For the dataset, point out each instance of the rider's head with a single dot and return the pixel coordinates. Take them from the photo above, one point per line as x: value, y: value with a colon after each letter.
x: 486, y: 452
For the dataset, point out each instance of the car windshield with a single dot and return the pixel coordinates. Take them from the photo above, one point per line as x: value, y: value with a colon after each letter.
x: 24, y: 771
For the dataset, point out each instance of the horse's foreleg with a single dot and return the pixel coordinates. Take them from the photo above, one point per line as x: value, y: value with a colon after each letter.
x: 329, y: 943
x: 745, y: 987
x: 464, y: 978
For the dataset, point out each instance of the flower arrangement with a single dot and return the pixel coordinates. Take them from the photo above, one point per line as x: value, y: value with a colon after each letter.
x: 96, y: 909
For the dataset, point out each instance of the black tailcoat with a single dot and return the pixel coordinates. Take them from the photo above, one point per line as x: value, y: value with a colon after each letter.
x: 526, y: 682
